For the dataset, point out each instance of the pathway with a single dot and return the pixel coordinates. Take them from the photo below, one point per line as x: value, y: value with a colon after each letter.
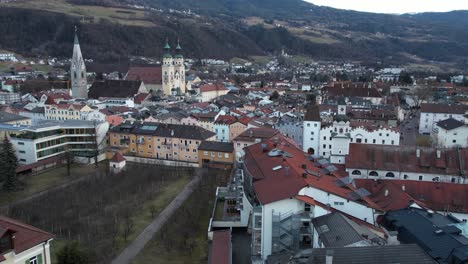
x: 132, y: 250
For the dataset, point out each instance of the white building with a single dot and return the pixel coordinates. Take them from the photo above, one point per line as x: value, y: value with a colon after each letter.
x: 407, y: 163
x: 22, y: 243
x: 433, y: 113
x: 53, y: 138
x: 451, y: 133
x: 311, y: 127
x: 288, y: 190
x: 208, y: 92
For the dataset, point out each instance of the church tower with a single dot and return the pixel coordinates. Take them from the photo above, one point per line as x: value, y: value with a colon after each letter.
x: 167, y: 70
x: 179, y: 70
x: 79, y: 82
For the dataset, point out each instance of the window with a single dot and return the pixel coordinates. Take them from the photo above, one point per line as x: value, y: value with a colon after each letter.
x: 454, y: 141
x: 149, y: 146
x: 420, y: 177
x: 393, y: 142
x: 308, y: 125
x: 315, y: 125
x: 212, y: 154
x: 338, y: 203
x: 373, y: 141
x: 356, y: 172
x: 312, y: 133
x: 35, y: 260
x: 226, y: 155
x: 383, y: 141
x: 238, y: 144
x: 22, y: 151
x: 22, y: 160
x: 220, y: 154
x: 365, y: 140
x: 452, y: 180
x: 205, y: 153
x: 390, y: 175
x: 373, y: 173
x: 20, y: 143
x: 149, y: 138
x: 405, y: 176
x: 194, y: 150
x: 380, y: 134
x: 358, y: 140
x: 324, y: 138
x: 324, y: 146
x: 175, y: 153
x: 306, y: 207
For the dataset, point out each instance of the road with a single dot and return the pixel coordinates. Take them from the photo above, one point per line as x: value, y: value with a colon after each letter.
x: 409, y: 130
x: 147, y: 234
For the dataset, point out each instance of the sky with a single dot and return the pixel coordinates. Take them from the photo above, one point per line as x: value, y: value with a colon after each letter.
x: 395, y: 6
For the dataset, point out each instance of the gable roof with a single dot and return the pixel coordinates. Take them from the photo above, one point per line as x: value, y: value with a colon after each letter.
x: 252, y: 134
x: 444, y: 108
x: 117, y: 158
x: 26, y: 236
x: 147, y: 74
x: 210, y: 87
x: 114, y: 89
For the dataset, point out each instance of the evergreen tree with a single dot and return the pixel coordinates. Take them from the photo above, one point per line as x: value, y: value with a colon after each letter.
x: 72, y: 253
x: 8, y: 164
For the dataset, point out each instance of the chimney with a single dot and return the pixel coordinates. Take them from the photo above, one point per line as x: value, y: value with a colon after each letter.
x: 250, y: 133
x: 403, y: 188
x: 286, y: 170
x: 418, y: 153
x: 386, y: 193
x: 329, y: 257
x: 438, y: 153
x: 264, y: 146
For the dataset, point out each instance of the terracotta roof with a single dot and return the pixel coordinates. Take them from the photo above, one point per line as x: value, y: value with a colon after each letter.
x: 141, y: 97
x: 225, y: 119
x: 117, y: 158
x: 283, y: 176
x: 212, y: 87
x: 401, y: 193
x: 26, y: 236
x: 349, y: 89
x: 149, y: 74
x: 444, y: 108
x: 404, y: 159
x: 114, y: 89
x: 221, y: 247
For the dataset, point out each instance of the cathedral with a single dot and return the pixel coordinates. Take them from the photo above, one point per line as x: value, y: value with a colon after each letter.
x: 173, y: 71
x: 79, y: 84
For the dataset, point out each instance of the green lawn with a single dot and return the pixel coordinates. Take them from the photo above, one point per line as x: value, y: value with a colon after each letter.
x: 184, y: 238
x: 142, y: 217
x: 45, y: 180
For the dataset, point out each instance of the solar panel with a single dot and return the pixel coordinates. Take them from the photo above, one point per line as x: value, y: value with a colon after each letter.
x: 358, y: 194
x: 331, y: 168
x: 150, y: 128
x: 343, y: 181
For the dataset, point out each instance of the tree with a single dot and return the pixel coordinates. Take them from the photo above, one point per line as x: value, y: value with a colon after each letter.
x: 406, y: 78
x: 274, y: 96
x: 8, y: 164
x: 72, y: 253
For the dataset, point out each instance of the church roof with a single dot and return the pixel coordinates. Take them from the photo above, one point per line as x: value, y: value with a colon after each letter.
x: 149, y: 75
x: 114, y: 88
x: 76, y: 42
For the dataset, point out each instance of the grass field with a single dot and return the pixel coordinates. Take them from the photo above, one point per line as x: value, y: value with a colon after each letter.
x: 45, y: 180
x: 117, y: 15
x: 184, y: 238
x: 104, y: 212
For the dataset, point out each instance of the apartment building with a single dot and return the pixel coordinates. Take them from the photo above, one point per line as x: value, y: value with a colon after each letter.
x: 433, y: 113
x: 66, y: 112
x: 159, y: 141
x: 53, y: 138
x: 216, y: 154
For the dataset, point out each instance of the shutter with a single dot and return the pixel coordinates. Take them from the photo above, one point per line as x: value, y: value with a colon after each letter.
x: 39, y: 259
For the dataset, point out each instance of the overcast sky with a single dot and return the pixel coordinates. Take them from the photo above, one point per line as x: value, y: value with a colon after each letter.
x: 396, y: 6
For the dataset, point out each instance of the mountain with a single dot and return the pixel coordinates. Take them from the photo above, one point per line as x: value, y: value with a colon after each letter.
x: 111, y: 30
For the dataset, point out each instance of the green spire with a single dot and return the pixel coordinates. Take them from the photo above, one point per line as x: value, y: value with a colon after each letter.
x: 167, y: 47
x: 178, y: 48
x: 76, y: 42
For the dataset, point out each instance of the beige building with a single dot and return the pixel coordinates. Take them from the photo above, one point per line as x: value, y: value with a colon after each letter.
x: 14, y: 119
x: 66, y: 112
x: 216, y: 154
x: 22, y: 243
x: 159, y: 141
x: 208, y: 92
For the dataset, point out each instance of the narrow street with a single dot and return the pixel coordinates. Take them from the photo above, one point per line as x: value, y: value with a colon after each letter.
x: 409, y: 129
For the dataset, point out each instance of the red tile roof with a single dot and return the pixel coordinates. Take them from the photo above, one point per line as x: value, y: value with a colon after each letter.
x: 149, y: 74
x: 272, y: 185
x: 444, y: 108
x: 141, y: 97
x: 212, y: 87
x: 401, y: 193
x: 225, y: 119
x: 253, y: 133
x: 26, y: 236
x: 117, y: 158
x: 221, y: 247
x: 403, y: 158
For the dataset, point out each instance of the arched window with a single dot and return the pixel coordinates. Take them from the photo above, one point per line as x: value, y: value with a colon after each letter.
x: 356, y: 172
x: 373, y: 173
x: 74, y: 74
x: 405, y: 176
x: 390, y: 175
